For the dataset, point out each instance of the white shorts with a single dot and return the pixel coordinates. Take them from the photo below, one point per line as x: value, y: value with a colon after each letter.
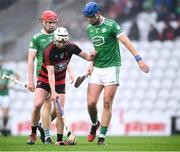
x: 105, y: 76
x: 4, y: 101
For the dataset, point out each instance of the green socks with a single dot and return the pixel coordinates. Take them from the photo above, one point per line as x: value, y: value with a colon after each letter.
x: 103, y: 131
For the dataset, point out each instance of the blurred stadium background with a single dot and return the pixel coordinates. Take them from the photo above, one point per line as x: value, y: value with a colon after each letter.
x: 144, y: 104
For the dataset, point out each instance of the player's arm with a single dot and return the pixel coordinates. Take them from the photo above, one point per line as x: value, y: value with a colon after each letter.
x: 88, y: 56
x: 70, y: 72
x: 31, y: 58
x: 51, y: 79
x: 90, y: 68
x: 129, y: 45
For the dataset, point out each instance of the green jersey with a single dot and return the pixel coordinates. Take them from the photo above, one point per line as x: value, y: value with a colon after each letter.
x: 4, y: 82
x: 38, y: 44
x: 105, y: 42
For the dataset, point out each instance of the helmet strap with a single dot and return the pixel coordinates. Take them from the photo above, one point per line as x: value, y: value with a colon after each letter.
x: 97, y: 19
x: 96, y: 16
x: 44, y: 26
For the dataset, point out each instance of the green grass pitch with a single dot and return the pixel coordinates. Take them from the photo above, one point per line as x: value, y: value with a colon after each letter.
x: 171, y: 143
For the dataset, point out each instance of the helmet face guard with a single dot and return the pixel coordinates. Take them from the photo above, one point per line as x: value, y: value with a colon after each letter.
x: 61, y: 34
x: 91, y: 9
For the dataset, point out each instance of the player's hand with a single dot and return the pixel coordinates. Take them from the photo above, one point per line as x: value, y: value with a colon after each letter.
x: 54, y: 95
x: 72, y: 139
x: 31, y: 86
x: 71, y: 78
x: 90, y: 69
x: 143, y: 66
x: 92, y: 54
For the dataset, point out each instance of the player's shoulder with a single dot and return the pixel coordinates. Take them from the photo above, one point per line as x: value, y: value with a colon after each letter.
x: 50, y: 45
x: 71, y: 44
x: 109, y: 22
x: 49, y: 48
x: 37, y: 35
x: 89, y: 26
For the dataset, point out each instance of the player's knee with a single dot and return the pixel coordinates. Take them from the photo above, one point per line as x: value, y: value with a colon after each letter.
x: 92, y: 104
x: 37, y: 107
x: 107, y: 104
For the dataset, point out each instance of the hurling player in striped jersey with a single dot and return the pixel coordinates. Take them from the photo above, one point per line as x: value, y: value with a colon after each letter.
x: 51, y: 78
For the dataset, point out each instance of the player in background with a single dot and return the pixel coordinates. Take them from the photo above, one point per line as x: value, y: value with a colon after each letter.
x: 105, y: 35
x: 38, y: 43
x: 52, y: 75
x: 4, y: 96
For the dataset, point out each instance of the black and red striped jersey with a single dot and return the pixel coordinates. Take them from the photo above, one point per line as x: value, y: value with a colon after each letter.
x: 59, y: 58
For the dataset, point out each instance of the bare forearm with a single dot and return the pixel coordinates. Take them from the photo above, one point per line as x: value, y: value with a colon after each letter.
x: 88, y: 56
x: 69, y: 69
x: 30, y: 71
x: 128, y: 44
x: 51, y: 79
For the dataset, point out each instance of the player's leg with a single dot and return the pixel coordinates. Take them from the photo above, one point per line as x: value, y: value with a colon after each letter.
x: 93, y: 94
x: 110, y: 78
x: 53, y: 112
x: 59, y: 121
x: 109, y: 93
x: 40, y: 96
x: 95, y: 87
x: 5, y: 114
x: 40, y: 127
x: 46, y: 120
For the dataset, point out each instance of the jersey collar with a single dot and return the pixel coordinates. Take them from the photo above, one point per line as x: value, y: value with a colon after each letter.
x: 103, y: 19
x: 45, y: 32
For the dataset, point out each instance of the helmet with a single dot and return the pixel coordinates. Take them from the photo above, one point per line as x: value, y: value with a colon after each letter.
x: 91, y: 9
x: 49, y: 15
x: 61, y: 33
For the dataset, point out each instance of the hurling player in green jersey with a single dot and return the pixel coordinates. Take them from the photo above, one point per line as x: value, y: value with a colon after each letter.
x: 4, y: 96
x: 37, y: 45
x: 105, y: 35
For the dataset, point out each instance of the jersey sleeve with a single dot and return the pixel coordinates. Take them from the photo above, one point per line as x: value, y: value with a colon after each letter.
x: 116, y: 29
x: 33, y: 45
x: 75, y: 49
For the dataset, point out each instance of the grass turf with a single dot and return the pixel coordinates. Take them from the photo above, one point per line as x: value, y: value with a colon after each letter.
x: 172, y: 143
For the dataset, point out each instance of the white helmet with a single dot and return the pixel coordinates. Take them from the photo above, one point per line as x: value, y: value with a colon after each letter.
x: 60, y: 34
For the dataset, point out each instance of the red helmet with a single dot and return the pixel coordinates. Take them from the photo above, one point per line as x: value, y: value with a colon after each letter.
x: 49, y: 15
